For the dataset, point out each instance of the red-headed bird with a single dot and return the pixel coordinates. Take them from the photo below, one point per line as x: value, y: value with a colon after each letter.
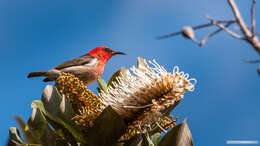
x: 87, y: 67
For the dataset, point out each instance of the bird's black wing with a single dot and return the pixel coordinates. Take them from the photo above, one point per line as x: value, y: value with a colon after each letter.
x: 85, y: 59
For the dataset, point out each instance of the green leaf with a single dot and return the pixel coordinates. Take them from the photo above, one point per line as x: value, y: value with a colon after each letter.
x: 15, y: 135
x: 51, y: 100
x: 102, y: 84
x: 56, y: 122
x: 179, y: 135
x: 64, y: 134
x: 38, y: 125
x: 60, y: 111
x: 107, y: 129
x: 156, y: 138
x: 147, y: 140
x: 37, y: 104
x: 66, y: 111
x: 141, y: 140
x: 29, y: 138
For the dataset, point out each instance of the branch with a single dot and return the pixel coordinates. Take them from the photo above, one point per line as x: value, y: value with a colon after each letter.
x: 250, y: 35
x: 239, y: 19
x: 202, y: 43
x: 169, y: 35
x: 221, y: 26
x: 194, y: 28
x: 253, y: 18
x: 228, y: 22
x: 250, y: 38
x: 210, y: 24
x: 252, y: 61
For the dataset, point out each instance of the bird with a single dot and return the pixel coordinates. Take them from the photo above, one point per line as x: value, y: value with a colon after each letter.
x: 88, y: 68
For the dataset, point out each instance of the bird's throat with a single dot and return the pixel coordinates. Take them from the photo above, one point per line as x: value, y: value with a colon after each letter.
x: 100, y: 66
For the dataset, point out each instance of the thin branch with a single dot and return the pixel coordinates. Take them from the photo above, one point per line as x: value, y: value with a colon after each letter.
x: 252, y: 61
x: 225, y: 28
x: 169, y: 35
x: 253, y: 18
x: 250, y: 38
x: 210, y: 24
x: 202, y: 43
x: 239, y: 19
x: 194, y: 28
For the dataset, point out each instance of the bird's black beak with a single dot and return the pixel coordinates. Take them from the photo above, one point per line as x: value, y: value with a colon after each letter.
x: 115, y: 53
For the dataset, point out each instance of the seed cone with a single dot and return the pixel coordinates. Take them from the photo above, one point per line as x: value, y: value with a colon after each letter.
x: 143, y: 96
x: 85, y: 103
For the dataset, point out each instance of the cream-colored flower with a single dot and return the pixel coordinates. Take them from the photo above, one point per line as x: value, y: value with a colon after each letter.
x: 143, y: 95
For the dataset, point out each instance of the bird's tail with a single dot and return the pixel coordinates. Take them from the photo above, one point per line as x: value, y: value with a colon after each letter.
x: 37, y: 74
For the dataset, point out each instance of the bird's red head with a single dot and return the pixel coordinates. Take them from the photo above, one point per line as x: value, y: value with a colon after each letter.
x: 103, y: 54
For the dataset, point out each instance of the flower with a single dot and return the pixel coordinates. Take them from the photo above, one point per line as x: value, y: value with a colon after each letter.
x: 143, y: 96
x: 85, y: 103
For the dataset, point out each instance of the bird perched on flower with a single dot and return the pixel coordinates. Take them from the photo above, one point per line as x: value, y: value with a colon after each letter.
x: 87, y: 67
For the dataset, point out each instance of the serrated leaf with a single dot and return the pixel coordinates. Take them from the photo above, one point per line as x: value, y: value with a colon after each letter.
x: 156, y: 138
x: 56, y: 122
x: 107, y: 129
x: 15, y: 135
x: 37, y: 104
x: 179, y: 135
x: 66, y: 108
x: 102, y: 84
x: 60, y: 111
x: 64, y: 134
x: 39, y: 127
x: 51, y: 100
x: 11, y: 143
x: 29, y: 138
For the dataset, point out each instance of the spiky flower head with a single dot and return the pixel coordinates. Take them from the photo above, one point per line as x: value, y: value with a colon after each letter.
x: 85, y: 103
x: 143, y: 96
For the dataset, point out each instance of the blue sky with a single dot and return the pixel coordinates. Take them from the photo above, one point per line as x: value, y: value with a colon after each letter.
x: 38, y: 35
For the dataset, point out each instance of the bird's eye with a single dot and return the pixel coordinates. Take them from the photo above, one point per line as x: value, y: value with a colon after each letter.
x: 108, y: 50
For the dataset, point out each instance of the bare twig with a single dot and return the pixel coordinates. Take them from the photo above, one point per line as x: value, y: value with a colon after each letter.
x: 239, y: 18
x: 210, y: 24
x: 253, y: 18
x: 194, y: 27
x: 252, y: 61
x: 169, y: 35
x: 248, y: 35
x: 221, y: 26
x: 251, y: 39
x: 202, y: 43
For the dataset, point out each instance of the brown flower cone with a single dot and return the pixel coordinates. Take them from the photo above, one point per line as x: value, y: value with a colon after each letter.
x: 85, y: 103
